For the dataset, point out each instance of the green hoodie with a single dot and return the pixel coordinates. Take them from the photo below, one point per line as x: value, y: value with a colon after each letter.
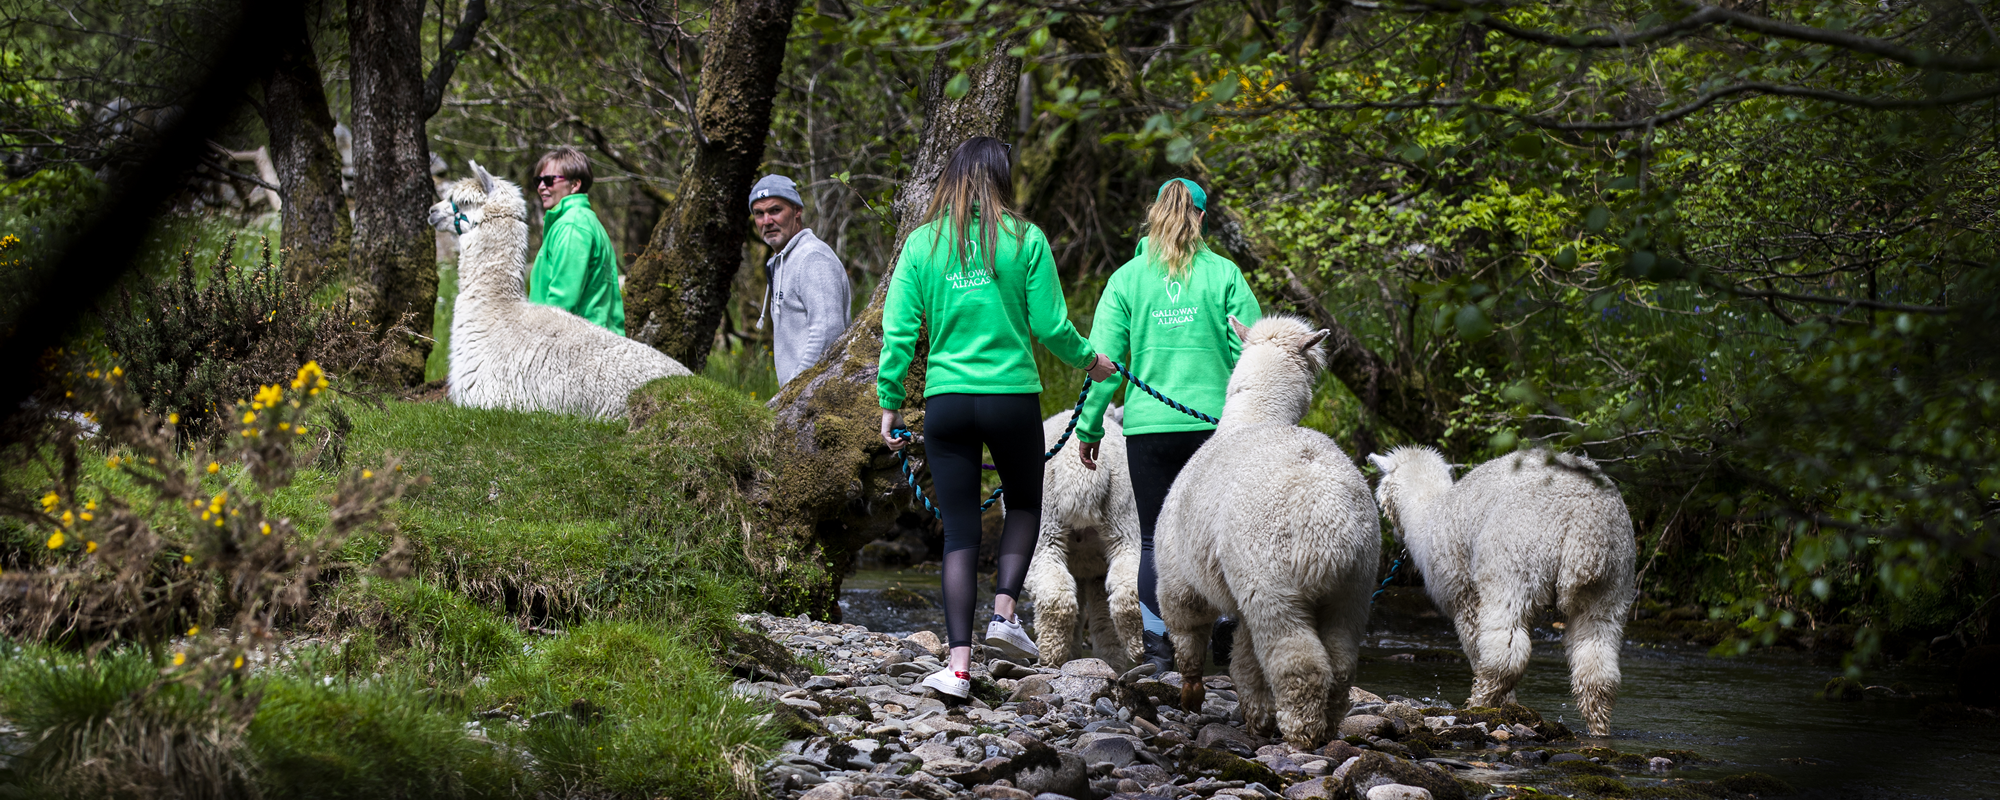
x: 577, y: 269
x: 1174, y: 335
x: 980, y: 325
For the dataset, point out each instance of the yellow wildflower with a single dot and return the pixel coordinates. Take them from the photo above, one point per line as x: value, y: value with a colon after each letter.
x: 194, y: 630
x: 302, y: 430
x: 173, y: 419
x: 87, y: 516
x: 239, y: 659
x: 265, y: 528
x: 117, y: 371
x: 214, y: 467
x: 284, y: 426
x: 111, y: 463
x: 90, y: 505
x: 366, y: 474
x: 49, y: 501
x: 89, y: 547
x: 68, y: 518
x: 180, y: 658
x: 55, y: 540
x: 249, y: 417
x: 187, y: 559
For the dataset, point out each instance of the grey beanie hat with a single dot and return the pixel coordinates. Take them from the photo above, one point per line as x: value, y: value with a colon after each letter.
x: 776, y: 186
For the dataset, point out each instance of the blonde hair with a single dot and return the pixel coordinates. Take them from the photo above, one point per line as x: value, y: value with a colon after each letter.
x: 1173, y: 230
x: 977, y: 180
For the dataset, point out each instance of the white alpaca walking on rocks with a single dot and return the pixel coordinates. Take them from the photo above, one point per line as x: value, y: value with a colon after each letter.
x: 1086, y: 563
x: 1272, y: 524
x: 509, y: 353
x: 1515, y: 535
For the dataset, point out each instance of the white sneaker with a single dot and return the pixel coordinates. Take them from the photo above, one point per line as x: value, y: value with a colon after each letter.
x: 945, y: 681
x: 1009, y: 636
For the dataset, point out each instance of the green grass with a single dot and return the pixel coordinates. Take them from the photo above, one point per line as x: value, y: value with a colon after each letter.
x: 626, y: 536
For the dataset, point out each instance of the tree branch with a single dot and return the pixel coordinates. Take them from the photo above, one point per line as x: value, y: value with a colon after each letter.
x: 1706, y: 16
x: 447, y: 63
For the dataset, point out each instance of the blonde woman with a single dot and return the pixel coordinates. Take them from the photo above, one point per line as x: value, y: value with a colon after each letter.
x: 1166, y: 314
x: 982, y: 279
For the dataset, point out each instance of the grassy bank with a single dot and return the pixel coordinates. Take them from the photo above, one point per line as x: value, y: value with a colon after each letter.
x: 570, y: 584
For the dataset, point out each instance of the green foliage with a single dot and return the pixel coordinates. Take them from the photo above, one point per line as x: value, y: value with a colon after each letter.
x: 194, y: 347
x: 453, y: 638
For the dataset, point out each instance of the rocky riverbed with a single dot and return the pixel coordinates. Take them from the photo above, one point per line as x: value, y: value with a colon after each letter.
x: 861, y: 728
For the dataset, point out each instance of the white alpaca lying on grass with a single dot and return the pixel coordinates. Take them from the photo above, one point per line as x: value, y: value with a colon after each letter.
x: 1272, y: 524
x: 1086, y: 563
x: 509, y: 353
x: 1515, y: 535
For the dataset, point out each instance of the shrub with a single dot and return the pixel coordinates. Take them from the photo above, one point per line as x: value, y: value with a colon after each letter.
x: 193, y: 347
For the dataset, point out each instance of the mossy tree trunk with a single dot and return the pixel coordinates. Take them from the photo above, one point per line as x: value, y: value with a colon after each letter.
x: 317, y: 228
x: 834, y: 479
x: 676, y: 291
x: 395, y: 250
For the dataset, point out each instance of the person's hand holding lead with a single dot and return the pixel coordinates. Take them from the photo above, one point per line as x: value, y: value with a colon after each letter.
x: 1087, y: 452
x: 1101, y: 369
x: 891, y: 420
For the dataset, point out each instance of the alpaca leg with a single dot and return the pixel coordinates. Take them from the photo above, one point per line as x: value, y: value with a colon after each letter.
x: 1594, y: 635
x: 1188, y: 617
x: 1504, y: 648
x: 1296, y: 674
x: 1122, y: 585
x: 1095, y: 609
x: 1340, y: 629
x: 1054, y: 591
x: 1253, y: 692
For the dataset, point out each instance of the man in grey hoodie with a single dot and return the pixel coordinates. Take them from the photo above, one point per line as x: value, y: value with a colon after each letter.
x: 806, y: 294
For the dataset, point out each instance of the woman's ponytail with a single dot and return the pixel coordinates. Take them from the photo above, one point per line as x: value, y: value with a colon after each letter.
x: 1173, y: 229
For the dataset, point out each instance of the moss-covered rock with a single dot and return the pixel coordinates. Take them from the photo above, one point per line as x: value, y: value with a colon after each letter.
x: 1600, y: 786
x: 1227, y: 766
x: 1376, y: 769
x: 755, y: 657
x: 1842, y: 690
x: 1583, y: 768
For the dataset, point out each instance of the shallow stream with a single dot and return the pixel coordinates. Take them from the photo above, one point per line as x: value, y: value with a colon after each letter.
x: 1750, y: 713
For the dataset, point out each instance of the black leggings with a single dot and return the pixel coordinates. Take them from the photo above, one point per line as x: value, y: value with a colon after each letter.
x: 1154, y: 460
x: 1010, y: 425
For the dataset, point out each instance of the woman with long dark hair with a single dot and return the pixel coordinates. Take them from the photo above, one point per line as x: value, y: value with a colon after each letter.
x: 1167, y: 313
x: 983, y: 282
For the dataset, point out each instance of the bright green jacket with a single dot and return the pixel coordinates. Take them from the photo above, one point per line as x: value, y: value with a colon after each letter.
x: 1174, y: 335
x: 982, y: 327
x: 577, y: 269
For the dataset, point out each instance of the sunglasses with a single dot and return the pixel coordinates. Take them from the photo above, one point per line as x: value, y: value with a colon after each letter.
x: 547, y: 180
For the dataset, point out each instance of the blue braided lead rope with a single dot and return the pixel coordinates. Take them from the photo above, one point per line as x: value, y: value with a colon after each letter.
x: 1393, y: 566
x: 1163, y: 398
x: 910, y: 475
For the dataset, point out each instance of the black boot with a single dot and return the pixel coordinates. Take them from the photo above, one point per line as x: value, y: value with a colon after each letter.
x: 1222, y: 640
x: 1159, y: 650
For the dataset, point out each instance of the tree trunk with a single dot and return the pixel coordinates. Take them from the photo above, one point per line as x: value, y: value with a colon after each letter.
x: 394, y: 250
x: 677, y: 289
x: 317, y: 228
x: 835, y: 480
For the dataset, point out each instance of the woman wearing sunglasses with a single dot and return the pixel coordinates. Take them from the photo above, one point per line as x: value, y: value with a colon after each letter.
x: 577, y: 268
x: 981, y: 281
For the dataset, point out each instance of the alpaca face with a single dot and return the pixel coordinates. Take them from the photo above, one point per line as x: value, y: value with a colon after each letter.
x: 462, y: 209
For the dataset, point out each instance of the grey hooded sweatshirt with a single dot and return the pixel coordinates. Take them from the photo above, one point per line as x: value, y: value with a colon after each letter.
x: 807, y: 299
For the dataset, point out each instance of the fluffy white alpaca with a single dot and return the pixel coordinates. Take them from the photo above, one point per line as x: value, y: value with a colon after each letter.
x: 509, y: 353
x: 1513, y: 536
x: 1086, y: 563
x: 1272, y: 524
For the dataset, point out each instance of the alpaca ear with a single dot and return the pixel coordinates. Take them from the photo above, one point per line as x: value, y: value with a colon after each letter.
x: 1315, y: 338
x: 485, y: 179
x: 1242, y: 330
x: 1382, y: 463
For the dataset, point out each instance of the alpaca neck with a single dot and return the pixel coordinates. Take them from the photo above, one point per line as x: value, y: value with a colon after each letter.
x: 1413, y: 500
x: 492, y: 262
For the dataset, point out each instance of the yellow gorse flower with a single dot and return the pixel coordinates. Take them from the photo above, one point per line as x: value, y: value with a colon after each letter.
x: 89, y: 547
x: 180, y: 658
x: 56, y: 540
x: 49, y: 501
x: 214, y: 467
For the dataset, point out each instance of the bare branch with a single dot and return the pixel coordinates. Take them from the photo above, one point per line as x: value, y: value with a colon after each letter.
x: 447, y: 63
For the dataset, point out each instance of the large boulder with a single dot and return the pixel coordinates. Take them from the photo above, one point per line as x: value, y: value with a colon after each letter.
x: 1041, y: 769
x: 1380, y: 769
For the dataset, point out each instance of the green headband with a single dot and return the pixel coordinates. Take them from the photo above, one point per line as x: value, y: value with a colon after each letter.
x: 1194, y: 192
